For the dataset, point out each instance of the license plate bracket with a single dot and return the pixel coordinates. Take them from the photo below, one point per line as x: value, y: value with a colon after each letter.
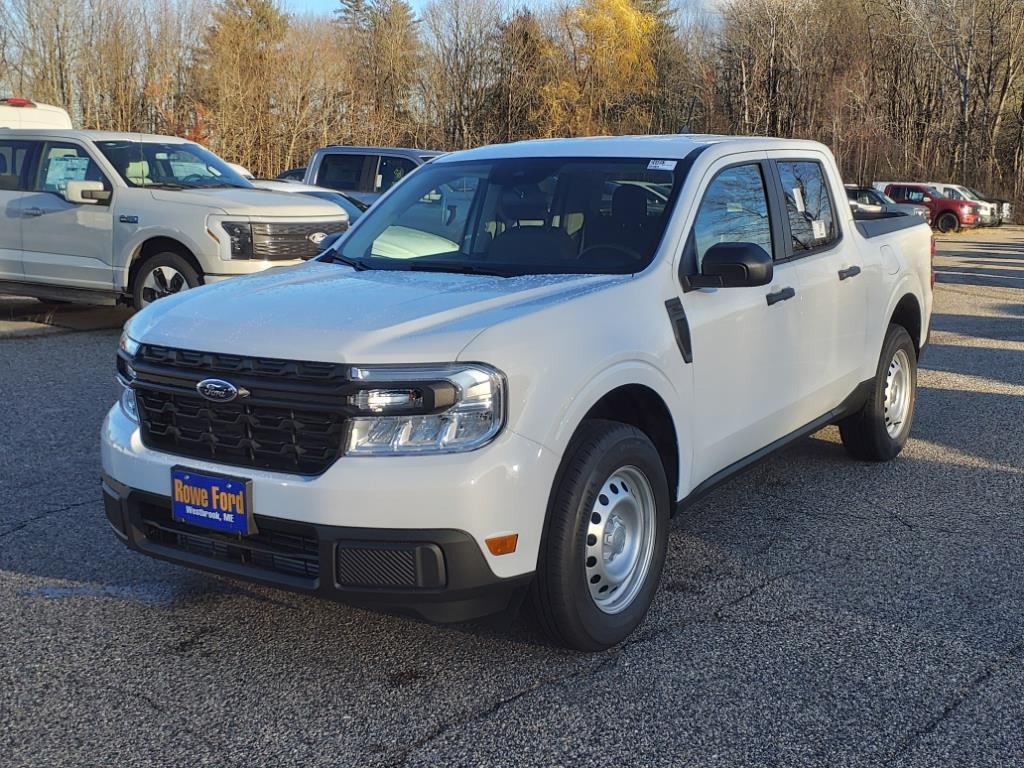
x: 219, y: 502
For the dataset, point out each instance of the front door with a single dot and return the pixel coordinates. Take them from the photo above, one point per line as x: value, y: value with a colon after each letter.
x: 66, y: 244
x: 746, y: 386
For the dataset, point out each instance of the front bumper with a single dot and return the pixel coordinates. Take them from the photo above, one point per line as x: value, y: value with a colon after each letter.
x: 449, y: 503
x: 438, y: 575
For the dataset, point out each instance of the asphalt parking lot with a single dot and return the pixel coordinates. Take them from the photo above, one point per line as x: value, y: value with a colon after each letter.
x: 816, y: 611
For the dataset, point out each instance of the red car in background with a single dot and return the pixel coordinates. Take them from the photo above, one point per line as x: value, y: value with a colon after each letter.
x: 948, y: 215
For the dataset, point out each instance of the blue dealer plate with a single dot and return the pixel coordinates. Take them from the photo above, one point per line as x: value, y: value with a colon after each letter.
x: 221, y: 503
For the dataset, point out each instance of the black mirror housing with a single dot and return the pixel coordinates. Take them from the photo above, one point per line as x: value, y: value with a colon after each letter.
x: 732, y: 265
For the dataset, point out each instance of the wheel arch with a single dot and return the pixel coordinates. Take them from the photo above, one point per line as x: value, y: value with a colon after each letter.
x: 640, y: 406
x: 155, y: 245
x: 907, y: 313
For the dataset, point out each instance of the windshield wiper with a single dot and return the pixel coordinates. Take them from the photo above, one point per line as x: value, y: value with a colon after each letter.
x: 339, y: 258
x: 462, y: 269
x: 165, y: 185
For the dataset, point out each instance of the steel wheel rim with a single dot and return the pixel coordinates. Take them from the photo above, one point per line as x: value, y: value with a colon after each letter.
x: 620, y: 539
x: 161, y: 282
x: 898, y: 389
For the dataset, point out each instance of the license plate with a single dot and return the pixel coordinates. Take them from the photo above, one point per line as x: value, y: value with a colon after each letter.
x: 219, y: 503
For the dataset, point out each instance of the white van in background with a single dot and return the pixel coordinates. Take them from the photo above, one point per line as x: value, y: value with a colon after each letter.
x: 25, y: 113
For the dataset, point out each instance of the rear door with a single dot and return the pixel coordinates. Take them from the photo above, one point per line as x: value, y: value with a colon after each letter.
x: 832, y: 284
x: 745, y: 359
x: 15, y: 162
x: 67, y: 244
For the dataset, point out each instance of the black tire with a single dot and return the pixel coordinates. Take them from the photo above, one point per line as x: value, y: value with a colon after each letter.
x: 865, y: 434
x: 561, y: 592
x: 189, y: 277
x: 948, y: 222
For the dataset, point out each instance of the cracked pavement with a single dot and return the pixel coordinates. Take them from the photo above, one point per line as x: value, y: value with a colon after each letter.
x: 815, y: 611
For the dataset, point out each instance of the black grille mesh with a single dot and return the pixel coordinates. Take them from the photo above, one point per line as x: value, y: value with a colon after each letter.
x: 292, y: 418
x: 292, y: 550
x: 376, y: 567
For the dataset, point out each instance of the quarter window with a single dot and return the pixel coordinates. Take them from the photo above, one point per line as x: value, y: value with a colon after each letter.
x: 808, y: 203
x: 734, y: 210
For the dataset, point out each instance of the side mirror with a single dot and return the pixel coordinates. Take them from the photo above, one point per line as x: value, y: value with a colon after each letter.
x: 86, y: 192
x: 926, y: 199
x: 732, y: 265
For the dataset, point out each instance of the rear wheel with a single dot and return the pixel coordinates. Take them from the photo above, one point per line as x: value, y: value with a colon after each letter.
x: 948, y: 222
x: 881, y: 428
x: 160, y: 275
x: 605, y: 545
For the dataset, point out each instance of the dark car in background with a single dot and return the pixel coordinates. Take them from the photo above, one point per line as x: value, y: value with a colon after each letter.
x: 364, y: 172
x: 292, y: 174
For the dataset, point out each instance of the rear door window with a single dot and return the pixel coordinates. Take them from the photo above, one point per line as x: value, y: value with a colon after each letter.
x: 812, y: 222
x: 14, y: 157
x: 342, y: 171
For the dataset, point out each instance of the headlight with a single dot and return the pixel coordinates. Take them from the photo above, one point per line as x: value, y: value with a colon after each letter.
x: 447, y: 409
x: 965, y: 209
x: 126, y: 375
x: 240, y: 234
x: 128, y: 404
x: 128, y: 345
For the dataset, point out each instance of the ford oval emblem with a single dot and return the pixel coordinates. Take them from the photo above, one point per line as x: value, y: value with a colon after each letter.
x: 316, y: 237
x: 218, y: 390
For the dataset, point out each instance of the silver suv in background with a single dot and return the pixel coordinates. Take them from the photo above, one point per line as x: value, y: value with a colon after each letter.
x: 364, y: 172
x: 103, y: 217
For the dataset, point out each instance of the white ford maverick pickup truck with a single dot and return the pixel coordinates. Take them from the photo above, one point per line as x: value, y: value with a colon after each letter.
x: 513, y: 370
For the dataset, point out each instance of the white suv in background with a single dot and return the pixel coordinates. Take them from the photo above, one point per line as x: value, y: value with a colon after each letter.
x: 990, y: 212
x: 104, y: 217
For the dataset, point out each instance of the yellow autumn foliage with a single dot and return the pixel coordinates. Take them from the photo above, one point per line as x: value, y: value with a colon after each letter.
x: 602, y: 58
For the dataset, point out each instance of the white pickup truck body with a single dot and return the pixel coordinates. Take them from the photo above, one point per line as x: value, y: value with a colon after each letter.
x: 684, y: 303
x: 101, y: 217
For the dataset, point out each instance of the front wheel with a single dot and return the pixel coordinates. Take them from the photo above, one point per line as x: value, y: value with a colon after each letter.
x: 605, y: 545
x: 880, y: 429
x: 948, y: 222
x: 161, y: 275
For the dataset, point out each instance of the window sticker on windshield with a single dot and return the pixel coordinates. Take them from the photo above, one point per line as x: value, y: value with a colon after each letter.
x: 798, y: 200
x: 661, y: 165
x: 818, y: 229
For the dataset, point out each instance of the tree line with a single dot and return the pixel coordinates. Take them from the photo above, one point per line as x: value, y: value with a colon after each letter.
x: 923, y: 89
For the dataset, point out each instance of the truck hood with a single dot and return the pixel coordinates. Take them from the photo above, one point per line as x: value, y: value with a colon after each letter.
x: 332, y: 313
x: 251, y: 202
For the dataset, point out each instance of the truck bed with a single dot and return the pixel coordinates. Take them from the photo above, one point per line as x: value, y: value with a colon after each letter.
x: 875, y: 224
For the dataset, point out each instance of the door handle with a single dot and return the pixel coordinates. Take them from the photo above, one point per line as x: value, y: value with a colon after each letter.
x: 33, y: 212
x: 783, y: 295
x: 849, y: 272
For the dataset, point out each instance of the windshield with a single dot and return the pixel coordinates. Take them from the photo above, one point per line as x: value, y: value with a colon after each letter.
x: 520, y: 216
x: 354, y: 208
x: 169, y: 165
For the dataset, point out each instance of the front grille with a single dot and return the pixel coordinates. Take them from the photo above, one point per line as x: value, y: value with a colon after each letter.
x: 279, y: 546
x: 279, y: 241
x: 293, y: 419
